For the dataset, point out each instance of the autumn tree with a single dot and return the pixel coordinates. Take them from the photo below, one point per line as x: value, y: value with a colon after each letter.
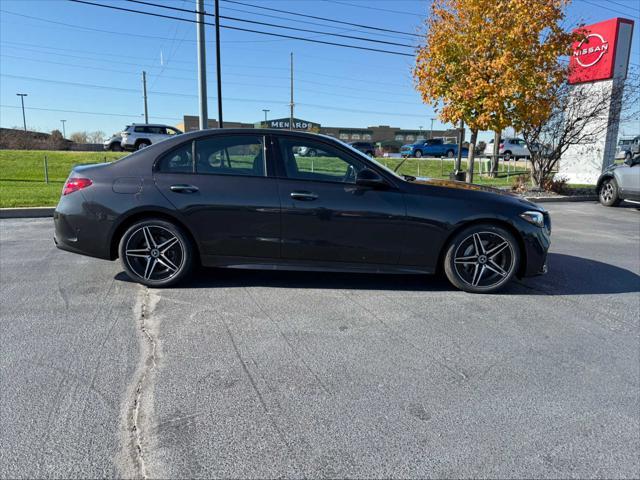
x: 491, y: 63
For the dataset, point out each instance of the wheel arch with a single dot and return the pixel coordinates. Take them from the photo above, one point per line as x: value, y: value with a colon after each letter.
x: 146, y: 214
x: 142, y: 140
x: 601, y: 180
x: 522, y: 268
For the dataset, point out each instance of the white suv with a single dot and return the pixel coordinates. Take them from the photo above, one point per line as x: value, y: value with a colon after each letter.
x: 509, y: 148
x: 137, y: 136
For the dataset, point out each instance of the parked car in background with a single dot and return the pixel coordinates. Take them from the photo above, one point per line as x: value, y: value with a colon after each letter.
x: 620, y: 182
x: 210, y: 197
x: 113, y: 143
x: 434, y: 147
x: 138, y: 136
x: 509, y: 148
x: 627, y: 147
x: 367, y: 148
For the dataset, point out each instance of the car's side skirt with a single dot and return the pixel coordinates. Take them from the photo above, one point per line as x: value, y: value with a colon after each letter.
x: 296, y: 265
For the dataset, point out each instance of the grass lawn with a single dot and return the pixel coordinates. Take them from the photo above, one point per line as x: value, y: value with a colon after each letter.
x: 22, y: 173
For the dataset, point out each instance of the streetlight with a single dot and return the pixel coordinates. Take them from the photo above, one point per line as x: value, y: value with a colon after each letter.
x: 64, y: 132
x: 265, y: 110
x: 431, y: 134
x: 24, y: 119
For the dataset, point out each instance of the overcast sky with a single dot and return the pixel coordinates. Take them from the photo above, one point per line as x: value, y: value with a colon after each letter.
x: 78, y: 58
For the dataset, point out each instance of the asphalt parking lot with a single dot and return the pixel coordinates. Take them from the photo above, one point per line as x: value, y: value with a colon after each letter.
x: 260, y: 374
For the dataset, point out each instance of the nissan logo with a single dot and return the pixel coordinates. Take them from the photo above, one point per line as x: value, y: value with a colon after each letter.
x: 589, y: 56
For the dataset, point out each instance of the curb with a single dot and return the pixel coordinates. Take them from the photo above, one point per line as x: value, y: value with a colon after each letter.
x: 27, y: 212
x: 561, y: 198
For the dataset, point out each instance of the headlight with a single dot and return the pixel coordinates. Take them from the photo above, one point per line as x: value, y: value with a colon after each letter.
x: 536, y: 218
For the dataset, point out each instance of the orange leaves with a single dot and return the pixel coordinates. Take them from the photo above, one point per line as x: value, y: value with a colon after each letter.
x: 492, y: 63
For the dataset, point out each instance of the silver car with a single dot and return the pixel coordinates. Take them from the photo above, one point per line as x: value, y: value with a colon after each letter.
x: 620, y: 182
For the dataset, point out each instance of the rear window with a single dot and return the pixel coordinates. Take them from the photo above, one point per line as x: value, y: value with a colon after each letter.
x: 178, y: 160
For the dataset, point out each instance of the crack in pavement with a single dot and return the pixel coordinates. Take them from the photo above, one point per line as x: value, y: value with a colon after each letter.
x: 135, y: 416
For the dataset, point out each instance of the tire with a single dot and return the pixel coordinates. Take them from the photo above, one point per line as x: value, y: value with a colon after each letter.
x: 418, y: 154
x: 115, y: 147
x: 142, y: 144
x: 147, y: 263
x: 312, y: 153
x: 370, y: 153
x: 481, y: 273
x: 608, y: 193
x: 450, y: 153
x: 507, y: 156
x: 627, y: 156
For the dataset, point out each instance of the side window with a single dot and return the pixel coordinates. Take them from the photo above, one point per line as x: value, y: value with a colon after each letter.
x: 178, y: 160
x: 232, y: 155
x: 140, y: 130
x: 309, y: 160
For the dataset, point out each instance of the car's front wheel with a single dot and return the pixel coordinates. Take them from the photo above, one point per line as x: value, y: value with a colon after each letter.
x: 418, y: 153
x: 608, y: 194
x: 482, y: 258
x: 142, y: 144
x: 156, y: 253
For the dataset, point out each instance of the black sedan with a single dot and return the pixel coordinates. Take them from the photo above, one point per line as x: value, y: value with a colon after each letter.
x: 247, y: 199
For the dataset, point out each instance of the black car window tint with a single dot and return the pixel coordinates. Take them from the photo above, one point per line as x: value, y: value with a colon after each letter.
x: 178, y: 160
x: 309, y: 160
x: 233, y: 155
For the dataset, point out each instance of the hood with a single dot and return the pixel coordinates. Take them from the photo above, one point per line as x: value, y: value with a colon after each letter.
x: 455, y: 185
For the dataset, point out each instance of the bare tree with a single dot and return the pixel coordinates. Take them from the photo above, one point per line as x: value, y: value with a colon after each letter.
x: 96, y: 137
x: 79, y: 137
x: 579, y: 116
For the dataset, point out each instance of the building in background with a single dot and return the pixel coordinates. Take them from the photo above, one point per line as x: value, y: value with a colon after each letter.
x: 383, y: 134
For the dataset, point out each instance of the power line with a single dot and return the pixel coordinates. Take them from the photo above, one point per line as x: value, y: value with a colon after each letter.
x: 174, y: 94
x: 87, y: 113
x: 609, y: 8
x: 321, y: 18
x: 256, y: 22
x: 619, y: 4
x: 369, y: 7
x: 324, y: 42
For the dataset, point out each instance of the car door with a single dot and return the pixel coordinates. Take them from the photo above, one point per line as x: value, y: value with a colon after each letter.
x: 220, y: 186
x: 628, y: 179
x: 326, y: 217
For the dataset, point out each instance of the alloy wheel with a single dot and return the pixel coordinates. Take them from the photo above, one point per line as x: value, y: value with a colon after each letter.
x: 484, y: 260
x: 154, y: 253
x: 606, y: 192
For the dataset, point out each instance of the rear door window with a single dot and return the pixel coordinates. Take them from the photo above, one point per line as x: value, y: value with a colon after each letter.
x: 178, y: 160
x: 231, y: 155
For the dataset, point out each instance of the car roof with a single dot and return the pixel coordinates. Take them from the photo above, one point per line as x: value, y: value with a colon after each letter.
x: 254, y: 131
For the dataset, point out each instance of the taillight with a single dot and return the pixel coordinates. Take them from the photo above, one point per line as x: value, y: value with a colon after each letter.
x: 75, y: 184
x: 502, y: 145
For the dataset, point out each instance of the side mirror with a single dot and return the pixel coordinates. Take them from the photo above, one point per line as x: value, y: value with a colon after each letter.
x: 369, y: 178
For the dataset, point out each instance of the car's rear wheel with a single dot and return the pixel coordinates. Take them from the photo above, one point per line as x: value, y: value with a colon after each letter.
x: 418, y: 154
x: 627, y: 156
x: 608, y: 194
x: 482, y: 258
x: 507, y: 156
x: 115, y: 147
x: 142, y: 144
x: 450, y: 153
x: 156, y: 253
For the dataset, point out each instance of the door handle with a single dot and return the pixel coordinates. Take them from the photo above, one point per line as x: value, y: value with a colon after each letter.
x: 304, y: 196
x: 184, y: 188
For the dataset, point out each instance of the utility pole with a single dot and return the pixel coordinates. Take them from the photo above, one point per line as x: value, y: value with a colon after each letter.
x: 431, y: 133
x: 218, y: 71
x: 24, y: 119
x: 265, y: 110
x: 202, y: 64
x: 64, y: 132
x: 144, y: 94
x: 291, y: 104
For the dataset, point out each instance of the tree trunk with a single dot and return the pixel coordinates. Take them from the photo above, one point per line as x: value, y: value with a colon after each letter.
x: 458, y: 166
x: 472, y: 154
x: 495, y: 153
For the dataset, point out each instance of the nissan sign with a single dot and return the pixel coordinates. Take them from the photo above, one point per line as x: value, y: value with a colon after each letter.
x: 593, y: 57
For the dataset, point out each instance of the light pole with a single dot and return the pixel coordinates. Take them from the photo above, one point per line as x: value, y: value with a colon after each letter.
x: 431, y: 134
x: 265, y: 110
x: 64, y: 132
x: 24, y: 119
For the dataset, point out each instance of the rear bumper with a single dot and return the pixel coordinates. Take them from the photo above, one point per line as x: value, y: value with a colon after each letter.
x: 79, y: 230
